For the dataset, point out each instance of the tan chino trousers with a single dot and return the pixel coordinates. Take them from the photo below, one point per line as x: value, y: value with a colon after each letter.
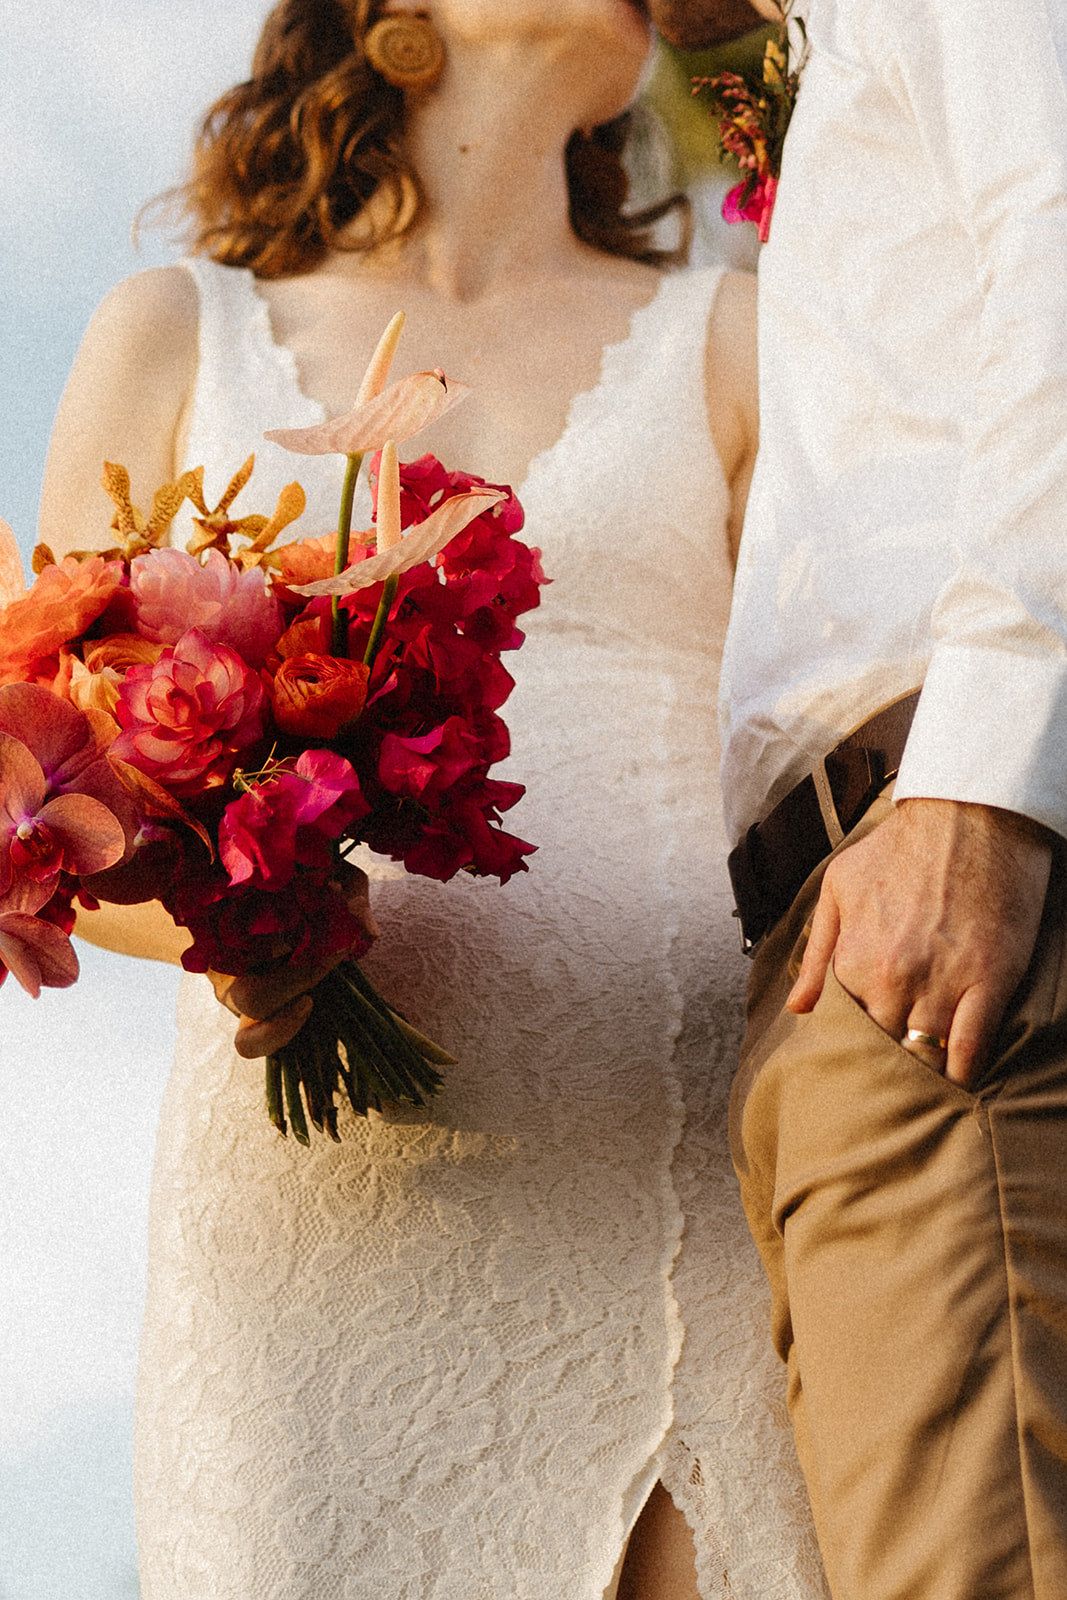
x: 915, y: 1236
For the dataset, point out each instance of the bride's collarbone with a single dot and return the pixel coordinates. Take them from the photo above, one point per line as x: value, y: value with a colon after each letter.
x: 524, y: 357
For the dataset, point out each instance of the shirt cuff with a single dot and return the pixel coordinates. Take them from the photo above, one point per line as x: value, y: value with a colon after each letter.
x: 991, y: 729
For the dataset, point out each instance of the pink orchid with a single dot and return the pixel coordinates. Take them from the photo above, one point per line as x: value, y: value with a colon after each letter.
x: 37, y: 953
x: 186, y: 718
x: 70, y: 747
x: 44, y: 834
x: 173, y: 592
x: 403, y: 409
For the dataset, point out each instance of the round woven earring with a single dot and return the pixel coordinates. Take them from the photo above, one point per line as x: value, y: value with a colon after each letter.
x: 406, y: 51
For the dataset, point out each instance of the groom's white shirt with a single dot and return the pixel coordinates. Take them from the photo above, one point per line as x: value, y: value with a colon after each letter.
x: 908, y: 517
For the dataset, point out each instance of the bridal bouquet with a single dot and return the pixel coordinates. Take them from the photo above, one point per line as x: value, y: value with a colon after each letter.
x: 217, y: 727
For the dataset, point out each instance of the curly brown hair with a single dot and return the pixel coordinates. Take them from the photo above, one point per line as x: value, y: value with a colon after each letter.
x: 284, y: 162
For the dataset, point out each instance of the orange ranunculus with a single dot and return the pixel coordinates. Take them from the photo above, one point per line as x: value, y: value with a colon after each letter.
x: 66, y: 598
x: 307, y: 636
x: 97, y: 684
x: 315, y: 696
x: 122, y: 650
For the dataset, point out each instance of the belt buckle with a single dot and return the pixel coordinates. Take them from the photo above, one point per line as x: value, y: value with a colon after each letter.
x: 748, y: 945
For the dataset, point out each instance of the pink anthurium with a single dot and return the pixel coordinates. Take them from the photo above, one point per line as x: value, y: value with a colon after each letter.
x: 378, y: 366
x: 398, y: 412
x: 387, y: 521
x: 421, y: 542
x: 12, y: 583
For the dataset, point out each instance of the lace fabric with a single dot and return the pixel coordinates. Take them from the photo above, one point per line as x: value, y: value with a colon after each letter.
x: 447, y: 1358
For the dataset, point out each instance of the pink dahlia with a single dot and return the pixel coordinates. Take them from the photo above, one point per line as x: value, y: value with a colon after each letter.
x: 172, y: 593
x: 186, y: 718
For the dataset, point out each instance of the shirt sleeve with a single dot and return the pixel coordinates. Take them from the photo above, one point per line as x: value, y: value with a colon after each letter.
x: 986, y: 88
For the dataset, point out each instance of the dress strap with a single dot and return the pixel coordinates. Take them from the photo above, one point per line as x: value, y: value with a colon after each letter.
x: 654, y: 382
x: 238, y: 352
x: 245, y: 384
x: 665, y: 353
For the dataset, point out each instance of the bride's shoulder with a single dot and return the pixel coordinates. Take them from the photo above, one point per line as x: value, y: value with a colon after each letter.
x: 731, y: 347
x: 731, y: 388
x: 146, y: 328
x: 733, y: 317
x: 124, y: 401
x: 159, y: 301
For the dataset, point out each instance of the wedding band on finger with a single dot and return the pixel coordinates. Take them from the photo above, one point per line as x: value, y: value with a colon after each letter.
x: 931, y: 1041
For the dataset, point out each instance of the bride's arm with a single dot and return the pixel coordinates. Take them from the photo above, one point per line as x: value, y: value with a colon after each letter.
x: 125, y: 401
x: 731, y: 391
x: 144, y: 930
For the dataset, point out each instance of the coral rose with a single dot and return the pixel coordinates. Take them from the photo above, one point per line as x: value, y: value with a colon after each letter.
x: 305, y: 560
x: 66, y: 598
x: 186, y: 718
x: 315, y: 696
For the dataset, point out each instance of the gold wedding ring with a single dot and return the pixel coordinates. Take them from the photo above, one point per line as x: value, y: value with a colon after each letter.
x: 931, y: 1040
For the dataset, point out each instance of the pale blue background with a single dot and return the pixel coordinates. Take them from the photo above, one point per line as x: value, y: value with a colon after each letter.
x: 97, y: 102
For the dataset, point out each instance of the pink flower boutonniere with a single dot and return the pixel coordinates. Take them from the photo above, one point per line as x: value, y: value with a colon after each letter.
x: 753, y: 118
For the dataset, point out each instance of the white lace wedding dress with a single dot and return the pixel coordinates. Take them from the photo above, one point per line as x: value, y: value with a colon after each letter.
x: 448, y: 1358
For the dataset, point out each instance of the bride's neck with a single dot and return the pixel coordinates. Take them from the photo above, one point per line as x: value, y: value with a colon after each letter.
x: 488, y: 145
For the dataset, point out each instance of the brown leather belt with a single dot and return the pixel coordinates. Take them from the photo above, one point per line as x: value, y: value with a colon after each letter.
x: 769, y: 866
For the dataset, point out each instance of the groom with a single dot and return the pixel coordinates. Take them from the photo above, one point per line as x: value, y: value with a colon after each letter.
x: 900, y: 1115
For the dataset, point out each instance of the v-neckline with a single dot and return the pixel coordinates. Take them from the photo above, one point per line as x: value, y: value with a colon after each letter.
x: 287, y: 363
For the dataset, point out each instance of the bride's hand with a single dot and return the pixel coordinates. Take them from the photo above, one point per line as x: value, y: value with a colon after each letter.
x: 271, y: 1010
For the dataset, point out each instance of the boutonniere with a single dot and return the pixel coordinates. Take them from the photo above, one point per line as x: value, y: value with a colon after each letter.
x: 753, y: 115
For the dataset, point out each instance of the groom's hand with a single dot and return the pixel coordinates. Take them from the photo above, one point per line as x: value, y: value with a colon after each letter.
x: 697, y: 24
x: 930, y: 922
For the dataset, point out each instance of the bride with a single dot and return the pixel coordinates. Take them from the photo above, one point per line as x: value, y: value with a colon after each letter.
x: 512, y: 1345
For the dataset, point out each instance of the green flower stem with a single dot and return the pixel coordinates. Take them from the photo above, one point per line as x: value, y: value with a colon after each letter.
x: 274, y: 1094
x: 344, y: 529
x: 351, y: 1038
x: 291, y: 1077
x: 426, y: 1048
x: 385, y: 605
